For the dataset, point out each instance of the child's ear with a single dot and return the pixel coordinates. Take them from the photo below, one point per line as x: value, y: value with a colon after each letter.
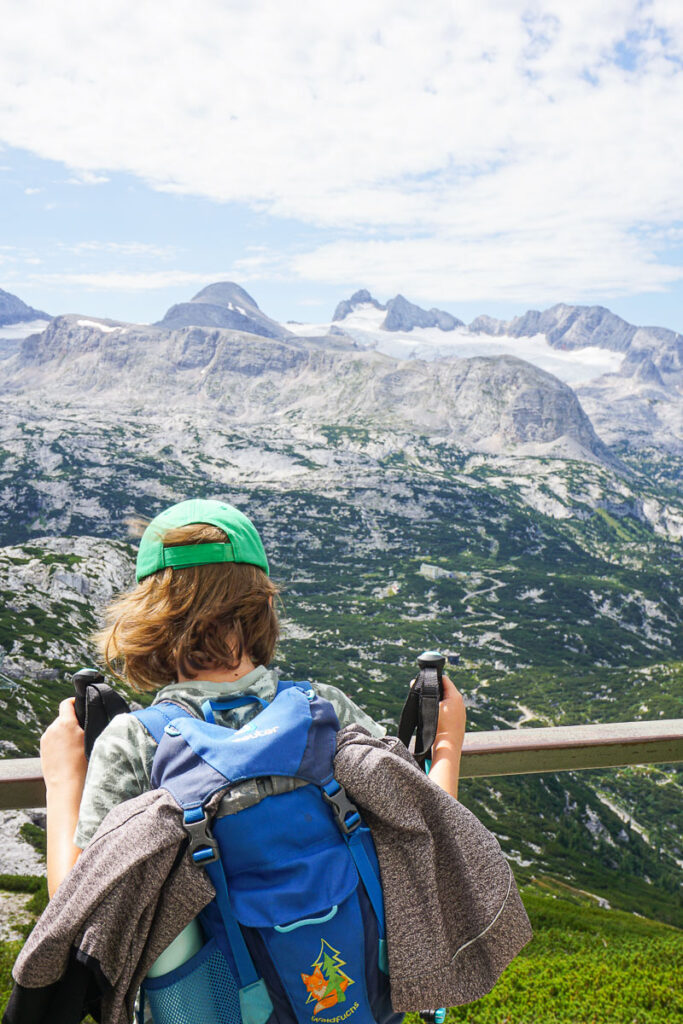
x: 270, y: 600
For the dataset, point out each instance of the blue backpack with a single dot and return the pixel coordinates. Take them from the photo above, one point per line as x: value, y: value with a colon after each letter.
x: 295, y: 934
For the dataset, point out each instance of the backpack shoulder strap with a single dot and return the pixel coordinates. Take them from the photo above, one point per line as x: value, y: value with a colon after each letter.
x: 156, y: 717
x: 287, y: 684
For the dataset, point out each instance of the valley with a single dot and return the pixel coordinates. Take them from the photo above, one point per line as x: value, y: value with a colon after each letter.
x: 463, y: 504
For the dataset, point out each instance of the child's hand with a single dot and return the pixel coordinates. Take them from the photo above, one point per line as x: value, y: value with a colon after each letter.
x: 62, y: 753
x: 450, y: 733
x: 62, y: 758
x: 452, y: 715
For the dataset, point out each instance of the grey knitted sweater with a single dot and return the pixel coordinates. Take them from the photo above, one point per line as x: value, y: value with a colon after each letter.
x: 454, y: 919
x: 454, y: 916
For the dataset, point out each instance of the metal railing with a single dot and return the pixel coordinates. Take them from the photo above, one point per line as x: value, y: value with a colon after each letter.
x: 504, y: 752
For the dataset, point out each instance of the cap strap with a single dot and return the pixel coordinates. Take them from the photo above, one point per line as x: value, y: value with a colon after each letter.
x: 183, y: 555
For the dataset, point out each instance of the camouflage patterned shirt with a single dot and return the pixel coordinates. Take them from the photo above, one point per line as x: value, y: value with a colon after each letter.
x: 121, y: 761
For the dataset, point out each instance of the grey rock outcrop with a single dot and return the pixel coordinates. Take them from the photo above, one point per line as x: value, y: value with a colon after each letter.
x: 359, y: 298
x: 640, y: 366
x: 86, y: 353
x: 223, y: 304
x: 403, y: 316
x: 569, y: 327
x: 487, y: 325
x: 501, y: 405
x: 71, y: 340
x: 13, y: 310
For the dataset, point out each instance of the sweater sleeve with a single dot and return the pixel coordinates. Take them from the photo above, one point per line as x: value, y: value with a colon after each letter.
x: 119, y: 768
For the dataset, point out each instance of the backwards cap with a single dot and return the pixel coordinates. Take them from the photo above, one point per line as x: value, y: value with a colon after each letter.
x: 243, y: 544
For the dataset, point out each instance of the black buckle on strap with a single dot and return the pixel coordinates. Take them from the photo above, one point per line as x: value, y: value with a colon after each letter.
x: 203, y: 847
x: 346, y: 813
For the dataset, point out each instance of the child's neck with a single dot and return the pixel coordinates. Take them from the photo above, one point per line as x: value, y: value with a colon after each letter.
x: 221, y: 675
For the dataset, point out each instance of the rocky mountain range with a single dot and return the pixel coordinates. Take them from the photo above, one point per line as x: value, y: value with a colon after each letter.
x: 650, y: 351
x: 402, y: 315
x: 637, y: 401
x: 563, y: 326
x: 633, y: 398
x: 498, y: 405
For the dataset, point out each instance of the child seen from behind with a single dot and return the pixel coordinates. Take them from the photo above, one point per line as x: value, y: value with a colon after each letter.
x: 200, y: 625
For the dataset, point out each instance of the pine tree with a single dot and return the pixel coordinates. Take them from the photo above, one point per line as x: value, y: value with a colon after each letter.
x: 330, y: 963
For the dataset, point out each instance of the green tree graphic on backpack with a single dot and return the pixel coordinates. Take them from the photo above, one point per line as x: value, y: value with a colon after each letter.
x: 329, y: 962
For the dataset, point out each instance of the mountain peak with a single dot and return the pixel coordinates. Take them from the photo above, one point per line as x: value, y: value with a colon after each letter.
x: 225, y: 293
x: 402, y: 315
x: 14, y: 311
x: 360, y: 298
x: 223, y: 304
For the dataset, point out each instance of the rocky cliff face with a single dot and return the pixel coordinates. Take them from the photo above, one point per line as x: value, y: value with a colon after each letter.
x: 573, y: 327
x: 404, y: 316
x: 500, y: 406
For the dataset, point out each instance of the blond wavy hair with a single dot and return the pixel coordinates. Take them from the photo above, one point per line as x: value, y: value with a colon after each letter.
x: 190, y: 619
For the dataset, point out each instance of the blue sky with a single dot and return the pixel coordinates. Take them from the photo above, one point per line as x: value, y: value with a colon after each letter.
x: 494, y: 158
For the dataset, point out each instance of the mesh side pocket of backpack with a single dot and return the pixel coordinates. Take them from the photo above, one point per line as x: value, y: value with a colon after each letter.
x: 203, y: 989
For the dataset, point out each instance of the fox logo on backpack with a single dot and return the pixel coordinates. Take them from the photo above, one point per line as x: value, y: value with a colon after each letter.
x: 295, y: 934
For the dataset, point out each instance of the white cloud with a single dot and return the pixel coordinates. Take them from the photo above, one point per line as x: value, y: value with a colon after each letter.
x: 13, y: 256
x: 487, y: 149
x: 135, y: 249
x: 124, y: 281
x: 32, y: 191
x: 514, y: 266
x: 87, y: 178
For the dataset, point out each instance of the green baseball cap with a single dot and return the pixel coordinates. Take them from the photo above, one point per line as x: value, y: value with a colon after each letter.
x: 243, y: 544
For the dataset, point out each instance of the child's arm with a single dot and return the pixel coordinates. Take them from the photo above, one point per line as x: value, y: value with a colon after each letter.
x: 64, y: 766
x: 450, y: 734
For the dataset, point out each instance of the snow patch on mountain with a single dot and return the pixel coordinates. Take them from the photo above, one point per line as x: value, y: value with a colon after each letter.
x: 364, y: 326
x: 101, y: 326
